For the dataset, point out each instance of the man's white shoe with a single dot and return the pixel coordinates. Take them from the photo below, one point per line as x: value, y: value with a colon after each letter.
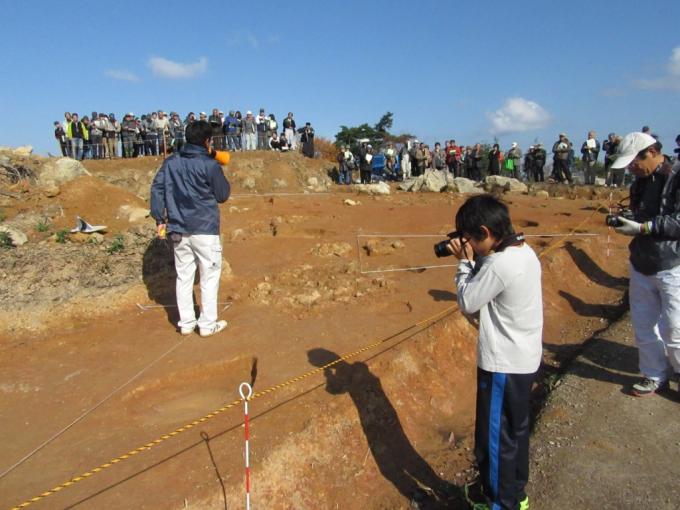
x: 219, y: 326
x: 186, y: 331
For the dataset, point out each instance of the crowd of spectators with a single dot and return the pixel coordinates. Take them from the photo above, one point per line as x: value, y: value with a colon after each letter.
x: 411, y: 159
x: 102, y: 136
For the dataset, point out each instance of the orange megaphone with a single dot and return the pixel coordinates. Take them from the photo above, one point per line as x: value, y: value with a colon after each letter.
x: 222, y: 157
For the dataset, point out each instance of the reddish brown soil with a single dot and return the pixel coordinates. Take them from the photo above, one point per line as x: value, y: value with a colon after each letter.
x: 355, y: 436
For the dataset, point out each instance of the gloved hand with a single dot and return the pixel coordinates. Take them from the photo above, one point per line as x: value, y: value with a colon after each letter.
x: 629, y: 228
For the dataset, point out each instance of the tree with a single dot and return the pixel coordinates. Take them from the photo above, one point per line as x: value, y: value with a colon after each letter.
x: 376, y: 135
x: 384, y: 123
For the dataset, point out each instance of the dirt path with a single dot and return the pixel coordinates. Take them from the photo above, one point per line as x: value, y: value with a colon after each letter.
x: 596, y: 446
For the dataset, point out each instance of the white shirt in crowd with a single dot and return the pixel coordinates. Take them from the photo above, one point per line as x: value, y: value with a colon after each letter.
x: 507, y: 292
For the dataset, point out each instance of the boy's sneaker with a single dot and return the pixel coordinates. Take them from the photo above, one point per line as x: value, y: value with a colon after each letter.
x: 648, y: 387
x: 524, y: 504
x: 186, y: 331
x: 219, y: 326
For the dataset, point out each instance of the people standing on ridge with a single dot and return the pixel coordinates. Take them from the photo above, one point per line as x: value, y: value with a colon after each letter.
x: 289, y: 130
x: 261, y: 123
x: 590, y: 150
x: 307, y: 140
x: 561, y: 149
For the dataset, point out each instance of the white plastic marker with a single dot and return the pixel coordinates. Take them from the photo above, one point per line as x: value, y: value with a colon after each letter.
x: 609, y: 229
x: 246, y: 396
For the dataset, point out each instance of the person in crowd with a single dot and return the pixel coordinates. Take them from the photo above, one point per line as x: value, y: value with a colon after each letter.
x: 76, y: 133
x: 342, y: 165
x: 162, y: 126
x: 230, y: 127
x: 109, y: 136
x: 365, y: 163
x: 203, y: 116
x: 610, y: 147
x: 87, y: 147
x: 560, y: 151
x: 499, y: 276
x: 96, y: 136
x: 239, y: 130
x: 515, y: 154
x: 67, y: 120
x: 428, y: 156
x: 654, y: 259
x: 151, y: 134
x: 590, y: 150
x: 177, y: 130
x: 129, y: 134
x: 540, y: 158
x: 216, y: 124
x: 191, y: 117
x: 185, y: 194
x: 271, y: 125
x: 494, y: 156
x: 468, y: 162
x: 274, y: 142
x: 60, y: 136
x: 677, y: 149
x: 249, y: 132
x: 453, y: 158
x: 420, y: 158
x: 405, y: 163
x: 438, y: 157
x: 477, y: 162
x: 261, y: 123
x: 390, y: 160
x: 289, y: 130
x: 140, y: 144
x: 529, y: 164
x: 102, y: 125
x: 283, y: 141
x: 307, y: 140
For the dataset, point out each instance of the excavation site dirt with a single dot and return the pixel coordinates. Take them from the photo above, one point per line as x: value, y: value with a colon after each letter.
x: 105, y: 402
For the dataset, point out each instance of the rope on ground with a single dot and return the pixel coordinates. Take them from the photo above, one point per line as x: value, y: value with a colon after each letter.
x: 431, y: 319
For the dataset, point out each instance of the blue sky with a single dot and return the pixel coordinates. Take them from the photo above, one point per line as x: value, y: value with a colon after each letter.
x: 520, y: 70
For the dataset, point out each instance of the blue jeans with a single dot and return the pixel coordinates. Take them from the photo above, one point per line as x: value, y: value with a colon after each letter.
x: 77, y: 148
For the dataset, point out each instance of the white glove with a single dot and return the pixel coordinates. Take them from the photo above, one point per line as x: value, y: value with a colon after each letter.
x: 629, y: 228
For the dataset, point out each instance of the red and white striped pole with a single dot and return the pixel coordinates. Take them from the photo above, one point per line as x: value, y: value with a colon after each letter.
x: 245, y: 395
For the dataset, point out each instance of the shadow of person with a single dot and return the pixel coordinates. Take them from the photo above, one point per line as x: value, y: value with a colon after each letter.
x: 442, y: 295
x: 392, y: 451
x: 584, y: 309
x: 158, y: 274
x: 593, y: 271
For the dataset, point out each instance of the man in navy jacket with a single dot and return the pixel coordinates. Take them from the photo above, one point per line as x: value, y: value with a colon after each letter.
x: 184, y: 198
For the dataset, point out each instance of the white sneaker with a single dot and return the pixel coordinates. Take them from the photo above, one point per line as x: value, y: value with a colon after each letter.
x: 186, y: 331
x: 219, y: 326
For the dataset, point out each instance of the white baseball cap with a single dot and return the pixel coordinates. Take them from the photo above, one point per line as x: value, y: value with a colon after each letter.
x: 630, y: 146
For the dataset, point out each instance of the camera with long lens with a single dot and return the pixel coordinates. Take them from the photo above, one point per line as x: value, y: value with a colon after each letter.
x: 614, y: 220
x: 441, y: 249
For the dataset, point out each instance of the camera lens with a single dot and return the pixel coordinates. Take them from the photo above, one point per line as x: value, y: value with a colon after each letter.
x: 441, y: 249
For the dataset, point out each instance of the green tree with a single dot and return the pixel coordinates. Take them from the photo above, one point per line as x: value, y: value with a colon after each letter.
x: 376, y: 134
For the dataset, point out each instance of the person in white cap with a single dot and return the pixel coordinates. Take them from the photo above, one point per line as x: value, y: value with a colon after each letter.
x: 654, y: 259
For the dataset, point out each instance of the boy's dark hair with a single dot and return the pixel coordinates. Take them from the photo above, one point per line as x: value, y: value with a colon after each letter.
x: 484, y: 210
x: 198, y: 132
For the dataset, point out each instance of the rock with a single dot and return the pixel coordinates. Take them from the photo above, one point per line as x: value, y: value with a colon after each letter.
x: 61, y: 170
x: 237, y: 233
x: 600, y: 181
x: 542, y: 194
x: 132, y: 213
x: 381, y: 188
x: 308, y: 299
x: 349, y: 201
x: 248, y: 183
x: 464, y: 185
x: 17, y: 236
x: 280, y: 183
x: 434, y: 181
x: 81, y: 237
x: 226, y: 268
x: 379, y: 247
x: 312, y: 182
x: 332, y: 249
x: 24, y: 150
x: 507, y: 183
x: 51, y: 191
x: 398, y: 245
x: 413, y: 184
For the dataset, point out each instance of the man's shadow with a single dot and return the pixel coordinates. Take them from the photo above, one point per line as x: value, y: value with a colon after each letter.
x: 396, y: 458
x: 592, y: 270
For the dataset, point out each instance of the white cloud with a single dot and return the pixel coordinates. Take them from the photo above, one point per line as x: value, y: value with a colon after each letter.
x: 669, y: 81
x: 518, y: 114
x: 121, y: 74
x: 169, y: 69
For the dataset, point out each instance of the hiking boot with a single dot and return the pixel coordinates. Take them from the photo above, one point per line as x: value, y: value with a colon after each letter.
x: 524, y: 504
x: 648, y: 386
x: 219, y: 326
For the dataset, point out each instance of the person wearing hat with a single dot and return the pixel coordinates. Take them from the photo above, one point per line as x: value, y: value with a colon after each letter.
x: 218, y: 137
x: 654, y: 292
x: 185, y: 194
x: 307, y: 140
x: 289, y: 130
x: 590, y: 150
x: 540, y: 157
x: 230, y: 128
x: 249, y: 132
x: 261, y: 123
x: 610, y: 147
x: 515, y: 154
x: 561, y: 149
x: 128, y: 134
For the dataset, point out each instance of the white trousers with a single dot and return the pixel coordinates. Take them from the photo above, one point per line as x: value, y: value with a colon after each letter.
x: 290, y: 136
x: 204, y: 251
x: 655, y: 312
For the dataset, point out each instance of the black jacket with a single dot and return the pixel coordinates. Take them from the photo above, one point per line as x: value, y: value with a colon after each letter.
x: 656, y: 198
x: 186, y: 191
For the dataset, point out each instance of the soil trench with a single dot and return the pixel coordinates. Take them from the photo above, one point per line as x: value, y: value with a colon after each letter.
x: 364, y: 433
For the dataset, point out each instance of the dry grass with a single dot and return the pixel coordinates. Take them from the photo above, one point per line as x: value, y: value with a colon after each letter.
x: 326, y: 149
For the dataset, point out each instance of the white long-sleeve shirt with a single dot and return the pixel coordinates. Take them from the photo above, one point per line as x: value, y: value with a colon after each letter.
x: 507, y: 293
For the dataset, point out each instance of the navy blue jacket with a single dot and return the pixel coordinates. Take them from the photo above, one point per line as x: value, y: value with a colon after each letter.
x: 186, y: 191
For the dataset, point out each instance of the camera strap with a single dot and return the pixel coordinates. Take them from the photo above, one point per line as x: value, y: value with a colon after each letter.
x: 513, y: 240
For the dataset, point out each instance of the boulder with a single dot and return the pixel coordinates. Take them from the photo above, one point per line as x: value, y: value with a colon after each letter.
x: 381, y: 188
x: 24, y: 150
x: 308, y: 299
x: 249, y: 183
x: 412, y: 184
x: 464, y: 185
x: 17, y: 236
x: 507, y: 183
x: 349, y: 201
x: 332, y: 249
x: 59, y: 171
x: 51, y: 191
x: 600, y: 181
x: 434, y: 181
x: 132, y: 213
x: 542, y: 194
x: 280, y: 183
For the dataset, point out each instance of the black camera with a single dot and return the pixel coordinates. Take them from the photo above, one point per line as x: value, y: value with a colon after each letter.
x: 441, y: 249
x: 614, y: 220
